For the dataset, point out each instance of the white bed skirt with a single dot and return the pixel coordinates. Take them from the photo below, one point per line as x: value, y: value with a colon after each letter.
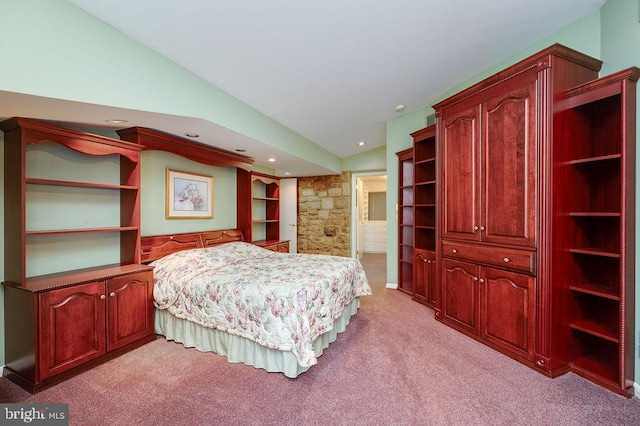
x: 239, y: 349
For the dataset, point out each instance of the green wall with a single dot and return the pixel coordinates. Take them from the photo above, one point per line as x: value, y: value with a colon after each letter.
x: 152, y: 195
x: 372, y: 160
x: 620, y: 50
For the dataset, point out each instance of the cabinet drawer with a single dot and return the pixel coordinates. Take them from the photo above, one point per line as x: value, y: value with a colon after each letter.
x: 520, y: 260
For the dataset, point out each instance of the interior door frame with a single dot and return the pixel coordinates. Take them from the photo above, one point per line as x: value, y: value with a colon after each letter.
x: 355, y: 203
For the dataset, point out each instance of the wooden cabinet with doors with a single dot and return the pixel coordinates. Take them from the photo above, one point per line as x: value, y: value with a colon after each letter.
x: 83, y: 322
x: 489, y: 166
x: 424, y: 215
x: 424, y: 277
x: 493, y: 304
x: 593, y: 267
x: 404, y: 215
x: 75, y: 291
x: 495, y: 143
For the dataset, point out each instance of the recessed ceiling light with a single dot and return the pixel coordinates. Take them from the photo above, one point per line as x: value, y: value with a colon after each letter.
x: 240, y: 150
x: 361, y: 143
x: 287, y: 173
x: 192, y: 135
x: 115, y: 121
x: 400, y: 108
x: 271, y: 160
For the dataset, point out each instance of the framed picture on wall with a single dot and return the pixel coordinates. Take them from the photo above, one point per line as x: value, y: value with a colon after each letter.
x: 189, y: 195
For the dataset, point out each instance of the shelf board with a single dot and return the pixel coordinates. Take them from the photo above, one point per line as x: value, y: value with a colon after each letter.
x: 595, y: 290
x: 590, y: 366
x: 266, y: 221
x: 595, y: 329
x: 426, y: 227
x: 425, y: 161
x: 426, y: 182
x: 265, y: 199
x: 594, y: 214
x: 54, y: 182
x: 81, y: 230
x: 594, y: 160
x: 424, y: 205
x: 594, y: 252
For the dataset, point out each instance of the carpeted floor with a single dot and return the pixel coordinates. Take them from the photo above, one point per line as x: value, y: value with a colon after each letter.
x: 394, y: 365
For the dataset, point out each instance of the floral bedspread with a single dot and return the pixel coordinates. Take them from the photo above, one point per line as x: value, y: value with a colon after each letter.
x: 280, y: 300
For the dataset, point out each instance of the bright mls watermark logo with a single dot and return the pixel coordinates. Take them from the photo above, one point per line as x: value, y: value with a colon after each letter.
x: 34, y: 414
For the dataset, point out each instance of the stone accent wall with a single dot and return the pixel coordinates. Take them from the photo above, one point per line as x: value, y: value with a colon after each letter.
x: 324, y: 215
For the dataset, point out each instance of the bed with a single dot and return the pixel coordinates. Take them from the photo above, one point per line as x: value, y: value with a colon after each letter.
x: 275, y: 311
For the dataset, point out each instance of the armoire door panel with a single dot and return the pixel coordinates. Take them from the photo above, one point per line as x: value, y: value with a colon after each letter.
x: 460, y: 297
x: 508, y: 306
x: 461, y: 175
x: 509, y: 166
x: 72, y: 326
x: 130, y: 309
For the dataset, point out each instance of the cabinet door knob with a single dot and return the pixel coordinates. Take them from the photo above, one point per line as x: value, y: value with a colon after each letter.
x: 112, y: 294
x: 506, y: 260
x: 475, y: 228
x: 454, y: 251
x: 102, y: 297
x: 481, y: 280
x: 475, y: 278
x: 482, y: 228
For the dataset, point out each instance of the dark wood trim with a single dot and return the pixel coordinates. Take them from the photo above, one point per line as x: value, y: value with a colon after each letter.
x: 155, y: 140
x: 542, y: 59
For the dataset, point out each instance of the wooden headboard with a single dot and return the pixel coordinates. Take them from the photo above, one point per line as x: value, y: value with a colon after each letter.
x: 156, y: 246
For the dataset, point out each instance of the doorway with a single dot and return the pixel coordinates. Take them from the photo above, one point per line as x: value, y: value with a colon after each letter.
x: 369, y: 215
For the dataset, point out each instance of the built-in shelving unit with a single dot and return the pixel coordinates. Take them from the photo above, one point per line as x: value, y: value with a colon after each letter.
x: 405, y: 220
x: 47, y: 200
x: 424, y: 215
x: 258, y: 214
x: 595, y: 222
x: 75, y: 292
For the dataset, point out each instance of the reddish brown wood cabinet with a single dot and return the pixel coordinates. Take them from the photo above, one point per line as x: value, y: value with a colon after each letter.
x: 494, y: 304
x: 279, y: 246
x: 61, y: 320
x: 496, y: 141
x: 424, y: 215
x: 83, y: 322
x: 424, y: 277
x: 489, y: 165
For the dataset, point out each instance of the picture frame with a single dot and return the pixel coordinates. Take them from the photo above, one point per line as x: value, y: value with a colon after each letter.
x: 189, y: 195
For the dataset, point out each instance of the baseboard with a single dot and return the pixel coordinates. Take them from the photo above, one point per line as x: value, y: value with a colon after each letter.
x: 393, y: 286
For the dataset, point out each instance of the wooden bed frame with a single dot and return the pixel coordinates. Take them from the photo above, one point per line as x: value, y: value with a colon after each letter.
x: 156, y: 246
